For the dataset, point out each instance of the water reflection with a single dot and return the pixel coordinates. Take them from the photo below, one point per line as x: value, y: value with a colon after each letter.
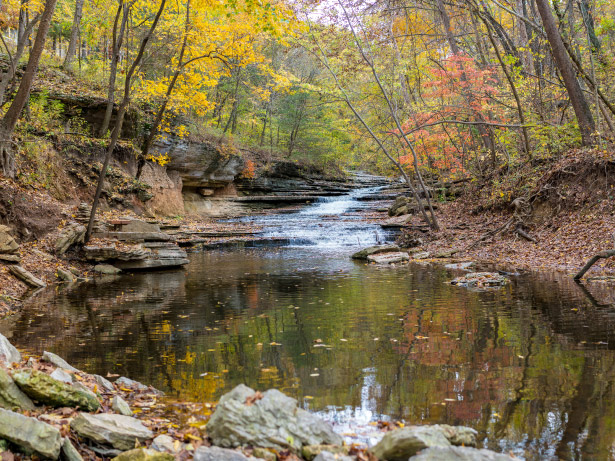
x: 530, y: 366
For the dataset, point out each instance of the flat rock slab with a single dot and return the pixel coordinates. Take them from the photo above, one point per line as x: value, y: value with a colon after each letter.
x: 460, y: 454
x: 119, y: 431
x: 364, y: 253
x: 11, y: 397
x: 10, y: 259
x: 388, y: 258
x: 400, y: 444
x: 30, y: 434
x: 269, y: 420
x: 26, y: 277
x: 398, y: 221
x: 45, y: 389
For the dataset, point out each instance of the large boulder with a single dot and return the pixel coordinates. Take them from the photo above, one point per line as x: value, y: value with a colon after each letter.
x: 72, y: 234
x: 270, y: 420
x: 30, y: 434
x: 11, y: 396
x: 8, y: 353
x: 119, y: 431
x: 460, y: 454
x: 45, y: 389
x: 400, y: 444
x: 379, y: 249
x: 8, y: 245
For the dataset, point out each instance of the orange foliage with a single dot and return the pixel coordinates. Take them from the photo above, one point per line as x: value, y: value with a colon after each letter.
x: 249, y: 171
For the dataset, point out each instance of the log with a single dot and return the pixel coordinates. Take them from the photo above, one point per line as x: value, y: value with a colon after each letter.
x: 592, y: 261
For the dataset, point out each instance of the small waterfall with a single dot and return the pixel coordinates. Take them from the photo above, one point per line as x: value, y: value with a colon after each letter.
x: 330, y: 223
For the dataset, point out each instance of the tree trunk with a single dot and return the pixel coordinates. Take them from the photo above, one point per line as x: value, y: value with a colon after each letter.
x: 74, y: 35
x: 116, y: 47
x: 564, y: 64
x: 8, y: 122
x: 120, y: 119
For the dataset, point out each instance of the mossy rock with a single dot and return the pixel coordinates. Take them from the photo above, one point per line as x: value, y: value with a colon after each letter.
x: 43, y: 388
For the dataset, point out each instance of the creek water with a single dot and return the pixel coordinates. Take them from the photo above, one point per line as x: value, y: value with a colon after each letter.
x: 531, y: 366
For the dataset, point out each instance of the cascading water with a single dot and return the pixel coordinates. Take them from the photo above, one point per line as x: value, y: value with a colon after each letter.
x: 331, y: 222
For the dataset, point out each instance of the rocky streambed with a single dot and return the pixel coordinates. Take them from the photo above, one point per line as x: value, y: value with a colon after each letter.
x: 51, y: 410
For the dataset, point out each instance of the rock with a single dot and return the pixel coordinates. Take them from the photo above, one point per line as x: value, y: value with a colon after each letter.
x: 65, y: 275
x: 72, y: 234
x: 61, y: 375
x: 388, y: 258
x: 8, y: 353
x: 272, y: 420
x: 58, y: 361
x: 10, y: 259
x: 43, y: 388
x: 481, y: 280
x: 421, y: 255
x: 127, y: 382
x: 460, y: 454
x: 363, y: 254
x: 30, y: 434
x: 11, y: 396
x: 161, y: 255
x: 104, y: 383
x: 219, y: 454
x: 136, y: 225
x: 310, y: 452
x: 396, y: 222
x: 463, y: 265
x: 42, y: 254
x: 166, y: 443
x: 328, y: 456
x: 119, y: 431
x: 400, y: 444
x: 106, y: 269
x: 69, y: 452
x: 8, y: 245
x: 446, y: 254
x: 109, y: 252
x: 400, y: 203
x: 119, y: 405
x: 144, y: 454
x: 263, y: 453
x: 26, y: 277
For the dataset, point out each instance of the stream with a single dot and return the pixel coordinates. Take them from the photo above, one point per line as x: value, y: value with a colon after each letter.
x: 531, y: 366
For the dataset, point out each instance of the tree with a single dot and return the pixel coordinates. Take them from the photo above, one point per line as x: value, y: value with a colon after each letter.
x: 585, y: 119
x: 8, y: 122
x: 74, y: 35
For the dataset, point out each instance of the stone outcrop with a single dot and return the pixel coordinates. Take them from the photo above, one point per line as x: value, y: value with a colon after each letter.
x: 270, y: 420
x: 166, y: 189
x: 72, y: 234
x: 400, y: 444
x: 8, y: 245
x: 199, y: 164
x: 30, y: 434
x: 121, y: 432
x: 45, y: 389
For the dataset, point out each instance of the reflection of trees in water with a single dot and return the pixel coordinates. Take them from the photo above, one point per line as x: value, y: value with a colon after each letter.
x: 511, y: 359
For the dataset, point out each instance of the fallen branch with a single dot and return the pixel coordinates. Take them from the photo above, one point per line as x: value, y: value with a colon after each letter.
x: 592, y: 261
